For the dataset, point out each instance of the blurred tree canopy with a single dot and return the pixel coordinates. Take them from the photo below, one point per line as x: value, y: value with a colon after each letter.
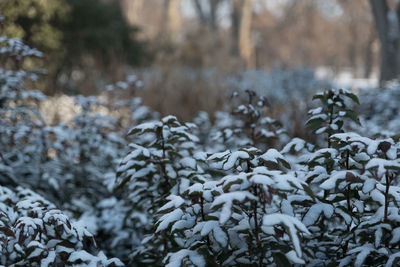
x: 83, y: 37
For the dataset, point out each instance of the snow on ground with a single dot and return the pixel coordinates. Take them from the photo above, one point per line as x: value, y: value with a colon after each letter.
x: 345, y: 78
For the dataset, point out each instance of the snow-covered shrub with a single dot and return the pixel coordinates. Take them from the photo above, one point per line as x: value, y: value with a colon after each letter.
x: 328, y: 118
x: 288, y: 93
x: 236, y: 220
x: 279, y: 85
x: 248, y: 124
x: 330, y: 203
x: 68, y: 164
x: 132, y: 111
x: 161, y: 162
x: 326, y: 212
x: 124, y: 104
x: 232, y: 197
x: 24, y: 138
x: 351, y: 208
x: 34, y: 233
x: 87, y: 154
x: 91, y: 148
x: 362, y: 191
x: 217, y: 192
x: 379, y: 110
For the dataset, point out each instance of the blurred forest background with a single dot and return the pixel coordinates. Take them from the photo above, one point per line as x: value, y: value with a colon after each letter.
x: 188, y: 52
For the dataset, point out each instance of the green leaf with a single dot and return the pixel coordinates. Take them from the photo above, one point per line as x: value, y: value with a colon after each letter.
x: 133, y: 131
x: 284, y: 163
x: 281, y: 260
x: 315, y: 124
x: 308, y: 190
x: 350, y: 114
x: 315, y: 121
x: 228, y: 185
x: 211, y: 218
x: 321, y: 97
x: 122, y: 184
x: 353, y: 97
x: 396, y: 137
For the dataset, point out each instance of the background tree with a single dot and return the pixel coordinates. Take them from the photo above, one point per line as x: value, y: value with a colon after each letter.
x: 77, y: 40
x: 241, y: 18
x: 172, y: 20
x: 387, y: 24
x: 208, y: 19
x: 356, y: 15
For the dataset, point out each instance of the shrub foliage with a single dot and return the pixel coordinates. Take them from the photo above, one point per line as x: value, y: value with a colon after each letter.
x: 235, y: 191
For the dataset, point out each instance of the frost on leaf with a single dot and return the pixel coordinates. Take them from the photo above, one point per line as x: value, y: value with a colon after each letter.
x: 226, y: 201
x: 291, y: 224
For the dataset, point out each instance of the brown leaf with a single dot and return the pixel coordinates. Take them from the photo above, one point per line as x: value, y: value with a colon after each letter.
x: 384, y: 146
x: 350, y: 177
x: 279, y: 233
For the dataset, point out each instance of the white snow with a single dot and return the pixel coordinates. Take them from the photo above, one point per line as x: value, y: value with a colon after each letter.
x: 292, y: 256
x: 176, y: 259
x: 233, y: 158
x: 291, y: 223
x: 272, y: 155
x: 315, y: 211
x: 169, y: 218
x: 227, y: 199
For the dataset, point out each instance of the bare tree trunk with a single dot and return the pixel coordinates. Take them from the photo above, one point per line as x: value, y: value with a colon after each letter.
x: 245, y: 43
x: 209, y: 19
x: 131, y: 10
x: 213, y: 14
x: 369, y: 54
x: 172, y: 21
x: 387, y: 26
x: 241, y: 18
x: 352, y: 50
x: 200, y: 12
x: 235, y: 25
